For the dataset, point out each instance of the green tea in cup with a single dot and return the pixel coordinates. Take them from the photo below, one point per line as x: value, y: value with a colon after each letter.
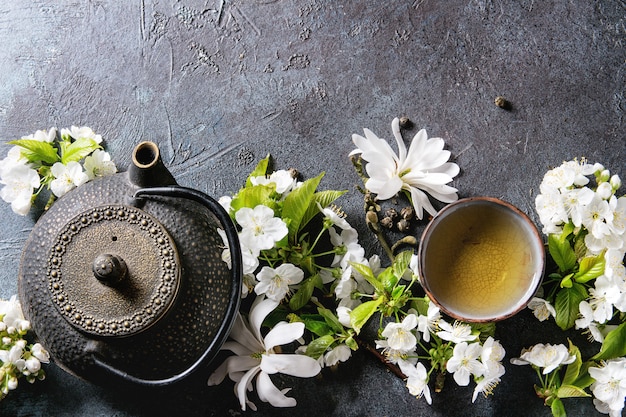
x: 481, y: 259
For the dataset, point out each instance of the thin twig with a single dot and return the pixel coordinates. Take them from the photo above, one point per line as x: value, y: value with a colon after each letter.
x: 392, y: 367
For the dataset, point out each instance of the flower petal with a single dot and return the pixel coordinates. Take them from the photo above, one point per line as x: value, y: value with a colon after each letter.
x: 260, y: 309
x: 268, y: 392
x: 283, y: 333
x: 290, y: 364
x: 242, y: 387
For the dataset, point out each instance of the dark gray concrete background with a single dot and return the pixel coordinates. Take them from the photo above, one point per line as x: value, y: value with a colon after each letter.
x: 218, y: 84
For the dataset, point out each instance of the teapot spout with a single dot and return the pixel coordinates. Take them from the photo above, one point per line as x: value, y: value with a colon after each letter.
x: 147, y: 169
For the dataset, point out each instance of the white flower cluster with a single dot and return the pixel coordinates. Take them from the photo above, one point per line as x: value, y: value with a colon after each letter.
x: 609, y: 387
x: 23, y: 173
x: 17, y: 358
x: 567, y: 198
x: 470, y: 358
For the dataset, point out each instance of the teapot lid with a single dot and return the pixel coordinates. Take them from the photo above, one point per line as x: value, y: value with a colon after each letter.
x: 113, y: 270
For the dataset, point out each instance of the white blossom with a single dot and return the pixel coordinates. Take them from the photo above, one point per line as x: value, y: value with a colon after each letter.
x: 549, y: 357
x: 423, y: 170
x: 274, y: 283
x: 260, y: 229
x: 464, y: 362
x: 67, y: 177
x: 99, y: 164
x: 417, y: 379
x: 256, y: 357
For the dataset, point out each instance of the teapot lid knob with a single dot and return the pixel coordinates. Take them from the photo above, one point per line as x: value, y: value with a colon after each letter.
x: 109, y: 269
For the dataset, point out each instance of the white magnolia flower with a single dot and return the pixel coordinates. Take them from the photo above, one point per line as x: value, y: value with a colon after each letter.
x: 67, y: 177
x: 610, y: 384
x: 83, y: 132
x: 423, y: 169
x: 548, y: 356
x: 400, y: 336
x: 260, y: 229
x: 456, y: 333
x: 464, y: 362
x: 274, y: 283
x: 340, y: 353
x: 428, y: 324
x: 19, y: 182
x: 255, y: 356
x: 283, y: 180
x: 417, y: 379
x: 541, y: 308
x: 99, y: 164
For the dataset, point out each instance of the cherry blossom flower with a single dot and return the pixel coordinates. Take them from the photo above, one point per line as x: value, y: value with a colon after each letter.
x: 274, y: 283
x: 541, y: 308
x: 12, y: 315
x: 609, y: 387
x: 464, y: 362
x: 260, y: 229
x: 340, y: 353
x: 99, y: 164
x: 67, y: 177
x: 399, y: 336
x: 256, y: 357
x: 334, y: 217
x: 417, y: 379
x: 19, y: 182
x: 456, y: 333
x: 428, y: 324
x: 423, y: 169
x: 549, y: 357
x: 349, y: 240
x: 283, y: 179
x: 82, y: 132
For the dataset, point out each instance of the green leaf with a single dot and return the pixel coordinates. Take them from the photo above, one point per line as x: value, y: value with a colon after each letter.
x: 77, y: 150
x: 362, y: 313
x: 318, y: 328
x: 36, y: 151
x: 568, y: 229
x: 566, y: 305
x: 573, y: 369
x: 324, y: 198
x: 557, y: 408
x: 562, y: 253
x: 566, y: 282
x: 367, y: 273
x: 569, y: 391
x: 613, y: 345
x: 331, y: 319
x: 584, y: 379
x: 401, y: 262
x: 317, y: 347
x: 297, y: 203
x: 253, y: 196
x: 259, y: 171
x: 388, y: 279
x: 397, y: 292
x: 590, y: 268
x: 304, y: 293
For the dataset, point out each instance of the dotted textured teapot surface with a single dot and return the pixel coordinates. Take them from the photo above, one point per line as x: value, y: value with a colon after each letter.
x: 117, y: 286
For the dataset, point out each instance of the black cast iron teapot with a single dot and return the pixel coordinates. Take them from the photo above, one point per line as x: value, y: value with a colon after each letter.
x: 122, y: 279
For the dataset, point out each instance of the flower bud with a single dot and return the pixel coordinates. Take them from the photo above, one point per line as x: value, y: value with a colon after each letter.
x: 615, y: 182
x: 604, y: 176
x: 33, y: 365
x: 12, y: 383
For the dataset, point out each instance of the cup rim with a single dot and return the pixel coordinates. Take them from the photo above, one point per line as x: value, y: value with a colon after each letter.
x: 535, y: 236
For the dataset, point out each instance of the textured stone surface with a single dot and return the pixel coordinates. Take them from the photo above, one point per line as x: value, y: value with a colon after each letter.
x: 219, y: 84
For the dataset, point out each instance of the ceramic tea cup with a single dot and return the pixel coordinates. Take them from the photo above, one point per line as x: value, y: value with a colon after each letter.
x: 481, y: 259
